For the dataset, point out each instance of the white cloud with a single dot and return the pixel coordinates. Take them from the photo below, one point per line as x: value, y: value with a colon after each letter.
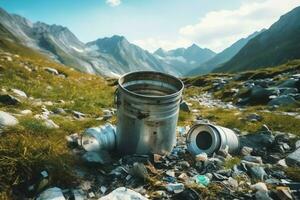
x: 219, y: 29
x: 113, y: 3
x: 153, y: 43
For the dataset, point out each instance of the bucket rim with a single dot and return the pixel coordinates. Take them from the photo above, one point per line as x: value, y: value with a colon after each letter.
x: 151, y: 96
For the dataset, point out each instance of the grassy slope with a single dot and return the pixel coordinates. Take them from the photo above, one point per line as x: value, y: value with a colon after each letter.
x: 31, y: 147
x: 234, y: 118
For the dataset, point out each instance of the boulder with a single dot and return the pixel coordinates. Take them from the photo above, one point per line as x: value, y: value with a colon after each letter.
x: 7, y: 119
x: 257, y: 95
x: 257, y: 140
x: 290, y: 83
x: 293, y: 159
x: 184, y: 106
x: 19, y: 93
x: 9, y: 99
x: 51, y: 70
x: 50, y: 124
x: 283, y: 100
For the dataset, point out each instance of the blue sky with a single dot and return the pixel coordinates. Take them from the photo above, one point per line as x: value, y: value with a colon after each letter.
x: 214, y: 24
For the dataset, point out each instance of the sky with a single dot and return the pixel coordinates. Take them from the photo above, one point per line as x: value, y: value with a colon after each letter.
x: 151, y: 24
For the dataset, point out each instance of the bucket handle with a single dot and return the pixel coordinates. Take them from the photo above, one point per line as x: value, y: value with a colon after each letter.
x: 117, y: 101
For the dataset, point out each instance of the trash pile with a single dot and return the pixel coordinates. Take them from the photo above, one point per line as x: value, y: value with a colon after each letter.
x: 257, y: 170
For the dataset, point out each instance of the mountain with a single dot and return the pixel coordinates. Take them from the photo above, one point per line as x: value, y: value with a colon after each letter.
x: 124, y: 56
x: 107, y: 56
x: 223, y: 56
x: 183, y: 59
x: 277, y: 45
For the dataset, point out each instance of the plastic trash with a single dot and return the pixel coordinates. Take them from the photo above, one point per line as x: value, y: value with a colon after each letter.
x: 202, y: 179
x: 99, y: 138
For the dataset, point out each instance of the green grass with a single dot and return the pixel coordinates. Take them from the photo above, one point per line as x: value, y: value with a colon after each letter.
x: 30, y: 147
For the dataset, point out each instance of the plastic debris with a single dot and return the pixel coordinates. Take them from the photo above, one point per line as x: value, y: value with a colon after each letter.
x: 54, y: 193
x: 99, y: 138
x: 202, y: 179
x: 124, y: 194
x: 175, y: 187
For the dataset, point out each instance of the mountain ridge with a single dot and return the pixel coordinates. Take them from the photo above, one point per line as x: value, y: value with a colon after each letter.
x: 276, y: 45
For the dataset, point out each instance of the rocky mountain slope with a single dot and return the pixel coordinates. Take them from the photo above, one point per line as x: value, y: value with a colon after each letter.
x: 108, y: 56
x: 222, y: 57
x: 185, y: 58
x: 277, y: 45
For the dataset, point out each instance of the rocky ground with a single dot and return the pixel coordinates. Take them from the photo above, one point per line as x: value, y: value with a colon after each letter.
x: 45, y: 108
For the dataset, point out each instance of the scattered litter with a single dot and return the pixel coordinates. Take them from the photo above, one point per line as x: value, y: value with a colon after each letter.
x: 175, y: 187
x: 202, y: 179
x: 124, y: 194
x: 209, y: 138
x: 54, y: 193
x: 97, y: 138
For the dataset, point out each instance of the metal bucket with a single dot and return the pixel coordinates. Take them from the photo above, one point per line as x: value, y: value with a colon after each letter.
x: 147, y: 112
x: 210, y: 138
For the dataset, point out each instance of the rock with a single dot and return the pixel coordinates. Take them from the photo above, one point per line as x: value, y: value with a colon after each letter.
x: 257, y: 95
x: 287, y: 91
x: 52, y: 71
x: 184, y: 106
x: 258, y: 140
x: 9, y: 99
x: 297, y: 144
x: 59, y: 111
x: 7, y: 119
x: 78, y: 115
x: 258, y: 172
x: 8, y: 58
x: 256, y: 159
x: 124, y: 194
x: 26, y: 112
x: 245, y: 151
x: 175, y: 187
x: 284, y: 193
x: 293, y: 159
x: 260, y: 186
x: 260, y: 195
x: 290, y: 83
x: 19, y: 93
x: 50, y: 124
x: 97, y: 157
x: 253, y: 117
x: 54, y: 193
x: 283, y: 100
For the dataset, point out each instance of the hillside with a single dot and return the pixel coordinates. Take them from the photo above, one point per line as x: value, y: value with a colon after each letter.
x: 222, y: 57
x: 277, y: 45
